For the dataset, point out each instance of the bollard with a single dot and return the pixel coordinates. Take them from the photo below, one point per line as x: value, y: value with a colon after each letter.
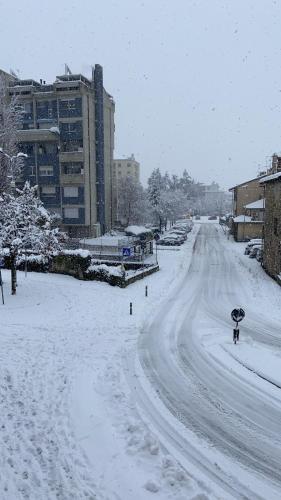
x: 131, y: 308
x: 146, y: 291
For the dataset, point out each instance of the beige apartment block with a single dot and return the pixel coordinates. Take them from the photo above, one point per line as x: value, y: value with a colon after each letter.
x: 125, y: 168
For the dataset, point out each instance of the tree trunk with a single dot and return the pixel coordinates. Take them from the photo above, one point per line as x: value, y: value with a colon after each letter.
x: 13, y: 275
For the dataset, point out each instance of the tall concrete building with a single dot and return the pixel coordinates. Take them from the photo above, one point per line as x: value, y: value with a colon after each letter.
x: 68, y: 134
x: 122, y: 170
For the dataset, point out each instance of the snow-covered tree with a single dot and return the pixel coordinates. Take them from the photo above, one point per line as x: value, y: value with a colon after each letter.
x: 131, y: 200
x: 154, y: 191
x: 11, y: 161
x: 26, y: 225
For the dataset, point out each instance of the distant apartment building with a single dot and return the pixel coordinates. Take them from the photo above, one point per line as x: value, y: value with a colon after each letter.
x: 68, y: 134
x: 122, y: 170
x: 213, y: 199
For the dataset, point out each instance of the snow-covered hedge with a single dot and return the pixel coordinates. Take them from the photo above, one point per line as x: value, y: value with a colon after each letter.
x: 33, y: 262
x: 72, y: 262
x: 79, y: 264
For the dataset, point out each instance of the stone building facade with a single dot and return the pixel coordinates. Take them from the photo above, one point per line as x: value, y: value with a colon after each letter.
x: 272, y: 227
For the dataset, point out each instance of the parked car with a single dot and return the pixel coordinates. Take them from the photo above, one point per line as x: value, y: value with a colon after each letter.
x: 178, y: 232
x: 212, y: 217
x: 256, y: 241
x: 259, y: 255
x: 168, y: 241
x: 254, y: 250
x: 173, y: 236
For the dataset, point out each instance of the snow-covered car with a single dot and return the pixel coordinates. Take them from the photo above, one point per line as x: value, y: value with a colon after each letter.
x: 259, y: 255
x: 212, y: 217
x: 256, y: 241
x: 169, y: 242
x: 174, y: 235
x: 178, y: 232
x: 254, y: 250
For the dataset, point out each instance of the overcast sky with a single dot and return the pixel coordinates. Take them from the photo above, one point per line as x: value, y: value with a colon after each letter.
x: 197, y: 84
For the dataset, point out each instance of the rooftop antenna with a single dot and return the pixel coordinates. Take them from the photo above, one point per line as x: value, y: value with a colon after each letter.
x: 67, y: 70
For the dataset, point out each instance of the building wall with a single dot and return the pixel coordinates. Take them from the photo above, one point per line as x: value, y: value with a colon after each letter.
x: 109, y: 109
x: 122, y: 169
x: 245, y: 194
x: 272, y: 228
x: 69, y: 104
x: 245, y: 231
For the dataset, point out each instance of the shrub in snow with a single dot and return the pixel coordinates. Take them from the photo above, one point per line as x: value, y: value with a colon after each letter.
x: 114, y: 275
x: 72, y: 262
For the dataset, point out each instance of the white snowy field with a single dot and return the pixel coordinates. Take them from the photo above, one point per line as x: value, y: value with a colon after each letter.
x: 69, y: 427
x: 85, y: 387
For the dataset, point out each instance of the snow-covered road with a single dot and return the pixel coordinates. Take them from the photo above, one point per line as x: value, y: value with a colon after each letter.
x: 226, y: 419
x: 100, y: 405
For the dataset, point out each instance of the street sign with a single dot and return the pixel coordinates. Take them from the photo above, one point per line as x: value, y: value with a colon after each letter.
x: 126, y: 252
x: 2, y: 262
x: 238, y: 314
x: 157, y: 236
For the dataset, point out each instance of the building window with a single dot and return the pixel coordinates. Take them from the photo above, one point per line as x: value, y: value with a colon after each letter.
x: 70, y: 107
x: 71, y: 213
x: 28, y: 107
x: 47, y: 148
x: 275, y: 226
x: 70, y: 192
x: 46, y: 171
x: 48, y: 190
x: 73, y: 168
x: 72, y: 145
x: 46, y: 110
x: 32, y: 170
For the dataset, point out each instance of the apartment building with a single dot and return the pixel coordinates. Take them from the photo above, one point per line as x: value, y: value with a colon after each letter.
x: 246, y: 206
x: 68, y: 134
x: 127, y: 167
x: 123, y: 169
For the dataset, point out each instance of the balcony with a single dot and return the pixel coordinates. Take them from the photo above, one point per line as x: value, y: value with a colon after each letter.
x: 72, y: 179
x: 37, y: 135
x: 68, y: 156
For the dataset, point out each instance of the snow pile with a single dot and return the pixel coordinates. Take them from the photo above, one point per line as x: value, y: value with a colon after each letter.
x: 104, y: 269
x: 39, y: 259
x: 272, y: 177
x: 55, y: 130
x: 137, y: 230
x: 143, y: 443
x: 78, y: 252
x: 242, y: 218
